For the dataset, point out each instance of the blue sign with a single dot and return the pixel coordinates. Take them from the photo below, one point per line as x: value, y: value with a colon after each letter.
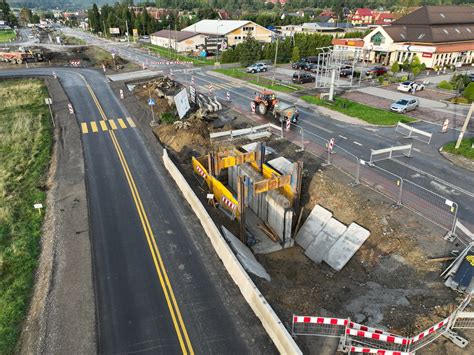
x: 151, y: 102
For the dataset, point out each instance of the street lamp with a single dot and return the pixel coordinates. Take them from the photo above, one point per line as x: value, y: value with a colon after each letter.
x: 217, y: 43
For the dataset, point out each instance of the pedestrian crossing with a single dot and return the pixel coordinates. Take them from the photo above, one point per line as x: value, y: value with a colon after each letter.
x: 105, y: 125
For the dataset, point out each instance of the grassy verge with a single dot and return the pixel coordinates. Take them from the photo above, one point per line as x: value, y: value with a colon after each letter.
x: 171, y: 55
x: 366, y: 113
x: 25, y: 150
x: 252, y: 78
x: 465, y: 149
x: 6, y: 36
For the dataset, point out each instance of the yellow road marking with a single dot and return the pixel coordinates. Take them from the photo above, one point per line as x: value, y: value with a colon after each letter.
x: 94, y: 126
x: 84, y: 128
x: 121, y: 123
x: 160, y: 268
x: 103, y: 125
x: 130, y: 122
x: 112, y: 124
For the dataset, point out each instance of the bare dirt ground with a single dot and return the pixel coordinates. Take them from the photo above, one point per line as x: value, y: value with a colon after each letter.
x: 390, y: 283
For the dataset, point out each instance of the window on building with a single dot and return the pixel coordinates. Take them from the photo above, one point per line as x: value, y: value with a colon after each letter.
x: 445, y: 31
x: 468, y: 30
x: 457, y: 31
x: 237, y: 37
x: 247, y: 28
x: 442, y: 15
x: 377, y: 39
x: 421, y: 36
x: 402, y: 35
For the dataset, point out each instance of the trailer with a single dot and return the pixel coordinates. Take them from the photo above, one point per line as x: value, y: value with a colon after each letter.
x: 21, y: 56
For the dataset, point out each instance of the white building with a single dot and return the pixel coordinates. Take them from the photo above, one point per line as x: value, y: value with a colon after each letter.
x: 181, y: 41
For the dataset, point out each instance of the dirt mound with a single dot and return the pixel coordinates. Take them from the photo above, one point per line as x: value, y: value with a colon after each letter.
x: 184, y: 141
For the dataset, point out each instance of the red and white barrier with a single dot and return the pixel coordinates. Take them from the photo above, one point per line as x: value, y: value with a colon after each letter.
x: 376, y: 336
x: 320, y: 320
x: 228, y: 203
x: 357, y: 349
x: 331, y: 144
x: 211, y: 88
x: 200, y: 171
x: 121, y: 94
x: 71, y: 110
x: 444, y: 129
x: 429, y: 331
x: 287, y: 124
x: 227, y: 95
x: 252, y: 107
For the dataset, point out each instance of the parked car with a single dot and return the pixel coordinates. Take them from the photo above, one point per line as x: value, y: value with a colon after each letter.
x: 346, y: 70
x: 300, y: 64
x: 377, y: 71
x: 257, y: 68
x: 408, y: 86
x: 301, y: 78
x: 404, y: 105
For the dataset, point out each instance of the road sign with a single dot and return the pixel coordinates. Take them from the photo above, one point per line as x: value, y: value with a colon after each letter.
x: 252, y: 106
x: 71, y: 110
x: 331, y: 144
x: 121, y: 94
x: 151, y: 102
x: 445, y: 126
x: 48, y: 101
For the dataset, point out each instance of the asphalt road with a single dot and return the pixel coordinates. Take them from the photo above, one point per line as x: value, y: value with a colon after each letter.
x: 159, y: 286
x: 426, y: 168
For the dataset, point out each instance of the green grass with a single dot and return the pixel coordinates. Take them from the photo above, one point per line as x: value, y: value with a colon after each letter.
x: 171, y: 55
x: 25, y: 151
x: 465, y: 149
x: 366, y: 113
x: 252, y: 78
x: 6, y: 36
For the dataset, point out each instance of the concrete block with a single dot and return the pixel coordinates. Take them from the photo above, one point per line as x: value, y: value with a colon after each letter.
x: 282, y: 165
x: 346, y: 246
x: 325, y: 240
x: 315, y: 222
x: 245, y: 255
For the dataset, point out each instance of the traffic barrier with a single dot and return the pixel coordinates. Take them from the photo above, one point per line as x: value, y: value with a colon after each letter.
x: 429, y: 335
x: 444, y: 129
x: 252, y: 107
x: 389, y: 153
x: 71, y: 110
x: 320, y: 326
x: 358, y: 349
x: 270, y: 321
x: 412, y: 132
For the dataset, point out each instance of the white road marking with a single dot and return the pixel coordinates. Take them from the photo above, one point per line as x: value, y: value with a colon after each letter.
x: 417, y: 150
x: 342, y: 137
x: 357, y: 143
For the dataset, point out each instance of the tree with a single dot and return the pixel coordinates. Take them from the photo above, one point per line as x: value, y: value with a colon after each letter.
x: 25, y: 15
x: 469, y: 92
x: 94, y: 18
x: 295, y: 55
x: 250, y: 51
x: 415, y: 66
x: 395, y: 68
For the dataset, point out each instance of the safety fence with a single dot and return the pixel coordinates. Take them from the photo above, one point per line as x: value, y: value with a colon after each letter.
x: 426, y: 203
x: 358, y: 338
x: 412, y: 132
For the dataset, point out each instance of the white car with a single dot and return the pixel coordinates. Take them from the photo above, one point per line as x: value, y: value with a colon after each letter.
x: 257, y: 68
x: 407, y: 86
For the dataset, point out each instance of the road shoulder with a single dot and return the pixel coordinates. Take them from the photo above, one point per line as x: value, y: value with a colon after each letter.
x: 61, y: 316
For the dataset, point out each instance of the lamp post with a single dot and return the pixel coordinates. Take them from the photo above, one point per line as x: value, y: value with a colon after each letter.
x: 217, y: 43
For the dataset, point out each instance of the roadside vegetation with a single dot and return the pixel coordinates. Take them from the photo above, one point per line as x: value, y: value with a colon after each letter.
x: 25, y: 150
x: 465, y: 149
x: 257, y: 80
x: 7, y: 36
x: 354, y: 109
x: 172, y: 55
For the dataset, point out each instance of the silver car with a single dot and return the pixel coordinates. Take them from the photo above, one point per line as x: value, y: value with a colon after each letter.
x: 404, y: 105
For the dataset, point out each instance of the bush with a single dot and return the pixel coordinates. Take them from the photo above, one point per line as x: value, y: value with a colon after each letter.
x: 395, y: 68
x: 168, y: 117
x: 469, y: 92
x: 459, y: 100
x: 445, y: 85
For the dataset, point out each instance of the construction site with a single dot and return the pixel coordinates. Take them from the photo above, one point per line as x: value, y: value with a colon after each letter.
x: 338, y: 262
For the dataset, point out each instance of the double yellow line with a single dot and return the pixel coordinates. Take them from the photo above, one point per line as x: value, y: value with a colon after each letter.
x: 173, y: 307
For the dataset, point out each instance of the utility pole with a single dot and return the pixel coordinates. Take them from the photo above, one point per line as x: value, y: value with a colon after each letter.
x: 464, y: 126
x: 333, y: 82
x: 128, y: 36
x: 275, y: 62
x: 169, y: 40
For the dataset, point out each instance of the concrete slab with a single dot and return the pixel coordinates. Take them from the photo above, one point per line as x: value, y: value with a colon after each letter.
x: 315, y: 222
x: 264, y: 244
x: 253, y: 147
x: 282, y: 165
x: 346, y: 246
x: 325, y: 240
x: 139, y: 74
x: 245, y: 255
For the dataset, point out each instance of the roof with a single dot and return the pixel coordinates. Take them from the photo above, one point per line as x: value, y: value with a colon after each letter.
x: 178, y: 35
x: 454, y: 47
x: 326, y: 25
x: 363, y: 11
x: 216, y: 27
x: 431, y: 34
x: 323, y: 18
x: 438, y: 15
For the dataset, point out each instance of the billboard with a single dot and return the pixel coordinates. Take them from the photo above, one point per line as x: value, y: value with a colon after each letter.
x: 182, y: 103
x: 114, y: 30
